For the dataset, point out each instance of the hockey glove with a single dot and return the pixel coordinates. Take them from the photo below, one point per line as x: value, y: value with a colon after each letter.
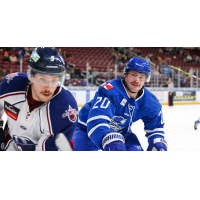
x: 157, y: 144
x: 2, y: 136
x: 113, y: 141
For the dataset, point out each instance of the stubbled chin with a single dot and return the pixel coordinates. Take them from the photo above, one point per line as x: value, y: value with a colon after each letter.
x: 134, y: 88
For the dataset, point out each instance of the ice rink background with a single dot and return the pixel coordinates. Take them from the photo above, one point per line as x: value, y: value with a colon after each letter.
x: 179, y: 128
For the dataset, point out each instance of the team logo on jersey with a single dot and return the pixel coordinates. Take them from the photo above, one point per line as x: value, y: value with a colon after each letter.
x: 10, y: 77
x: 11, y: 110
x: 107, y: 86
x: 123, y: 102
x: 24, y: 143
x: 116, y: 121
x: 71, y: 114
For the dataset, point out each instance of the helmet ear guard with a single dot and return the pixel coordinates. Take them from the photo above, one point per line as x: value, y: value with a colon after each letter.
x: 148, y: 79
x: 138, y: 65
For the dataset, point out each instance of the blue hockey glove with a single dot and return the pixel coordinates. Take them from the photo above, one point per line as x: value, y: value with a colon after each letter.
x: 113, y: 141
x: 157, y: 144
x: 2, y: 136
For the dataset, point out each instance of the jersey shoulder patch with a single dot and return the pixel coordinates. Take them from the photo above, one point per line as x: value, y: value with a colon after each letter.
x: 13, y: 83
x: 10, y: 77
x: 107, y: 86
x: 63, y: 113
x: 63, y: 107
x: 114, y: 91
x: 71, y: 113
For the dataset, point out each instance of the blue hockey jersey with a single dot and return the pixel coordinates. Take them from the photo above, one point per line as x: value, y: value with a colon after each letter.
x: 35, y: 130
x: 113, y: 109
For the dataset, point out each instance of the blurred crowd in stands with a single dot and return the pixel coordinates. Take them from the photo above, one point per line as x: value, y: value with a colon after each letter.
x: 178, y: 52
x: 165, y: 56
x: 160, y: 58
x: 13, y: 54
x: 10, y: 58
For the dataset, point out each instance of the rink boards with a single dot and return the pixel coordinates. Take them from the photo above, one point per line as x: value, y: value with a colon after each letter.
x: 182, y: 96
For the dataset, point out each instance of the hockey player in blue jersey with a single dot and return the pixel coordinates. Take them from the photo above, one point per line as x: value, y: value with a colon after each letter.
x: 37, y: 105
x: 105, y: 122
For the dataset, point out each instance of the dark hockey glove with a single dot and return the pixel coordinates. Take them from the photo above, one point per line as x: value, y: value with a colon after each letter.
x: 157, y: 144
x: 113, y: 141
x: 2, y: 136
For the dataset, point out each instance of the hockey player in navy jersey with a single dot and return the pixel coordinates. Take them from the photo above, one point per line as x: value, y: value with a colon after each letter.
x: 105, y: 122
x: 37, y: 105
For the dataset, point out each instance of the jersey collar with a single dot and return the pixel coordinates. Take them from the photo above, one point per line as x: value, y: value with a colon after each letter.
x: 124, y: 87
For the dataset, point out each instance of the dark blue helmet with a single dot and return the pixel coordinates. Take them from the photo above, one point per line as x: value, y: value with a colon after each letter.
x: 138, y: 65
x: 48, y: 61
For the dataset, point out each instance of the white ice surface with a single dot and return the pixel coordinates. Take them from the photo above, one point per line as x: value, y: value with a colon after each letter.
x: 179, y: 128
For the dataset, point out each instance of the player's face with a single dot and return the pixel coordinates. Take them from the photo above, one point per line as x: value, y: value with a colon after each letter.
x: 43, y: 87
x: 135, y: 80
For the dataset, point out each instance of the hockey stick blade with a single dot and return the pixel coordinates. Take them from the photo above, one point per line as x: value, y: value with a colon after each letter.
x: 62, y: 143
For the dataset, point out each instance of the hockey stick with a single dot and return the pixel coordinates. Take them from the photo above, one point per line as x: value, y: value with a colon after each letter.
x: 62, y: 143
x: 184, y: 72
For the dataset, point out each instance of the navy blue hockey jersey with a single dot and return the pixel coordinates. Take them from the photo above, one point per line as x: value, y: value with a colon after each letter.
x: 35, y: 130
x: 113, y: 109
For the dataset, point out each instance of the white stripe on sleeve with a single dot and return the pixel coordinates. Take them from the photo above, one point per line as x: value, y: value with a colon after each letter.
x: 94, y: 128
x: 151, y: 131
x: 80, y: 122
x: 98, y: 117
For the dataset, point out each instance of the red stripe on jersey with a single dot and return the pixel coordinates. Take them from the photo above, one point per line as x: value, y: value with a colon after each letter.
x: 48, y: 119
x: 43, y: 144
x: 7, y: 95
x: 72, y: 144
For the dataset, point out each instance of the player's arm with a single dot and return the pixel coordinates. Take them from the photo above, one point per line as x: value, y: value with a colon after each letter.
x: 98, y: 124
x: 48, y: 143
x: 3, y: 85
x: 9, y: 85
x: 61, y: 119
x: 2, y: 136
x: 154, y: 128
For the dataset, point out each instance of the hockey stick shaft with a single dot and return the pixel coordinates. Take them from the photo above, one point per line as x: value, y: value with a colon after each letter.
x: 184, y: 72
x: 62, y: 143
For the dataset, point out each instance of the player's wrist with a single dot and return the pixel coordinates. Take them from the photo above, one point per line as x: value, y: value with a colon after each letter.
x: 112, y: 137
x: 158, y: 144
